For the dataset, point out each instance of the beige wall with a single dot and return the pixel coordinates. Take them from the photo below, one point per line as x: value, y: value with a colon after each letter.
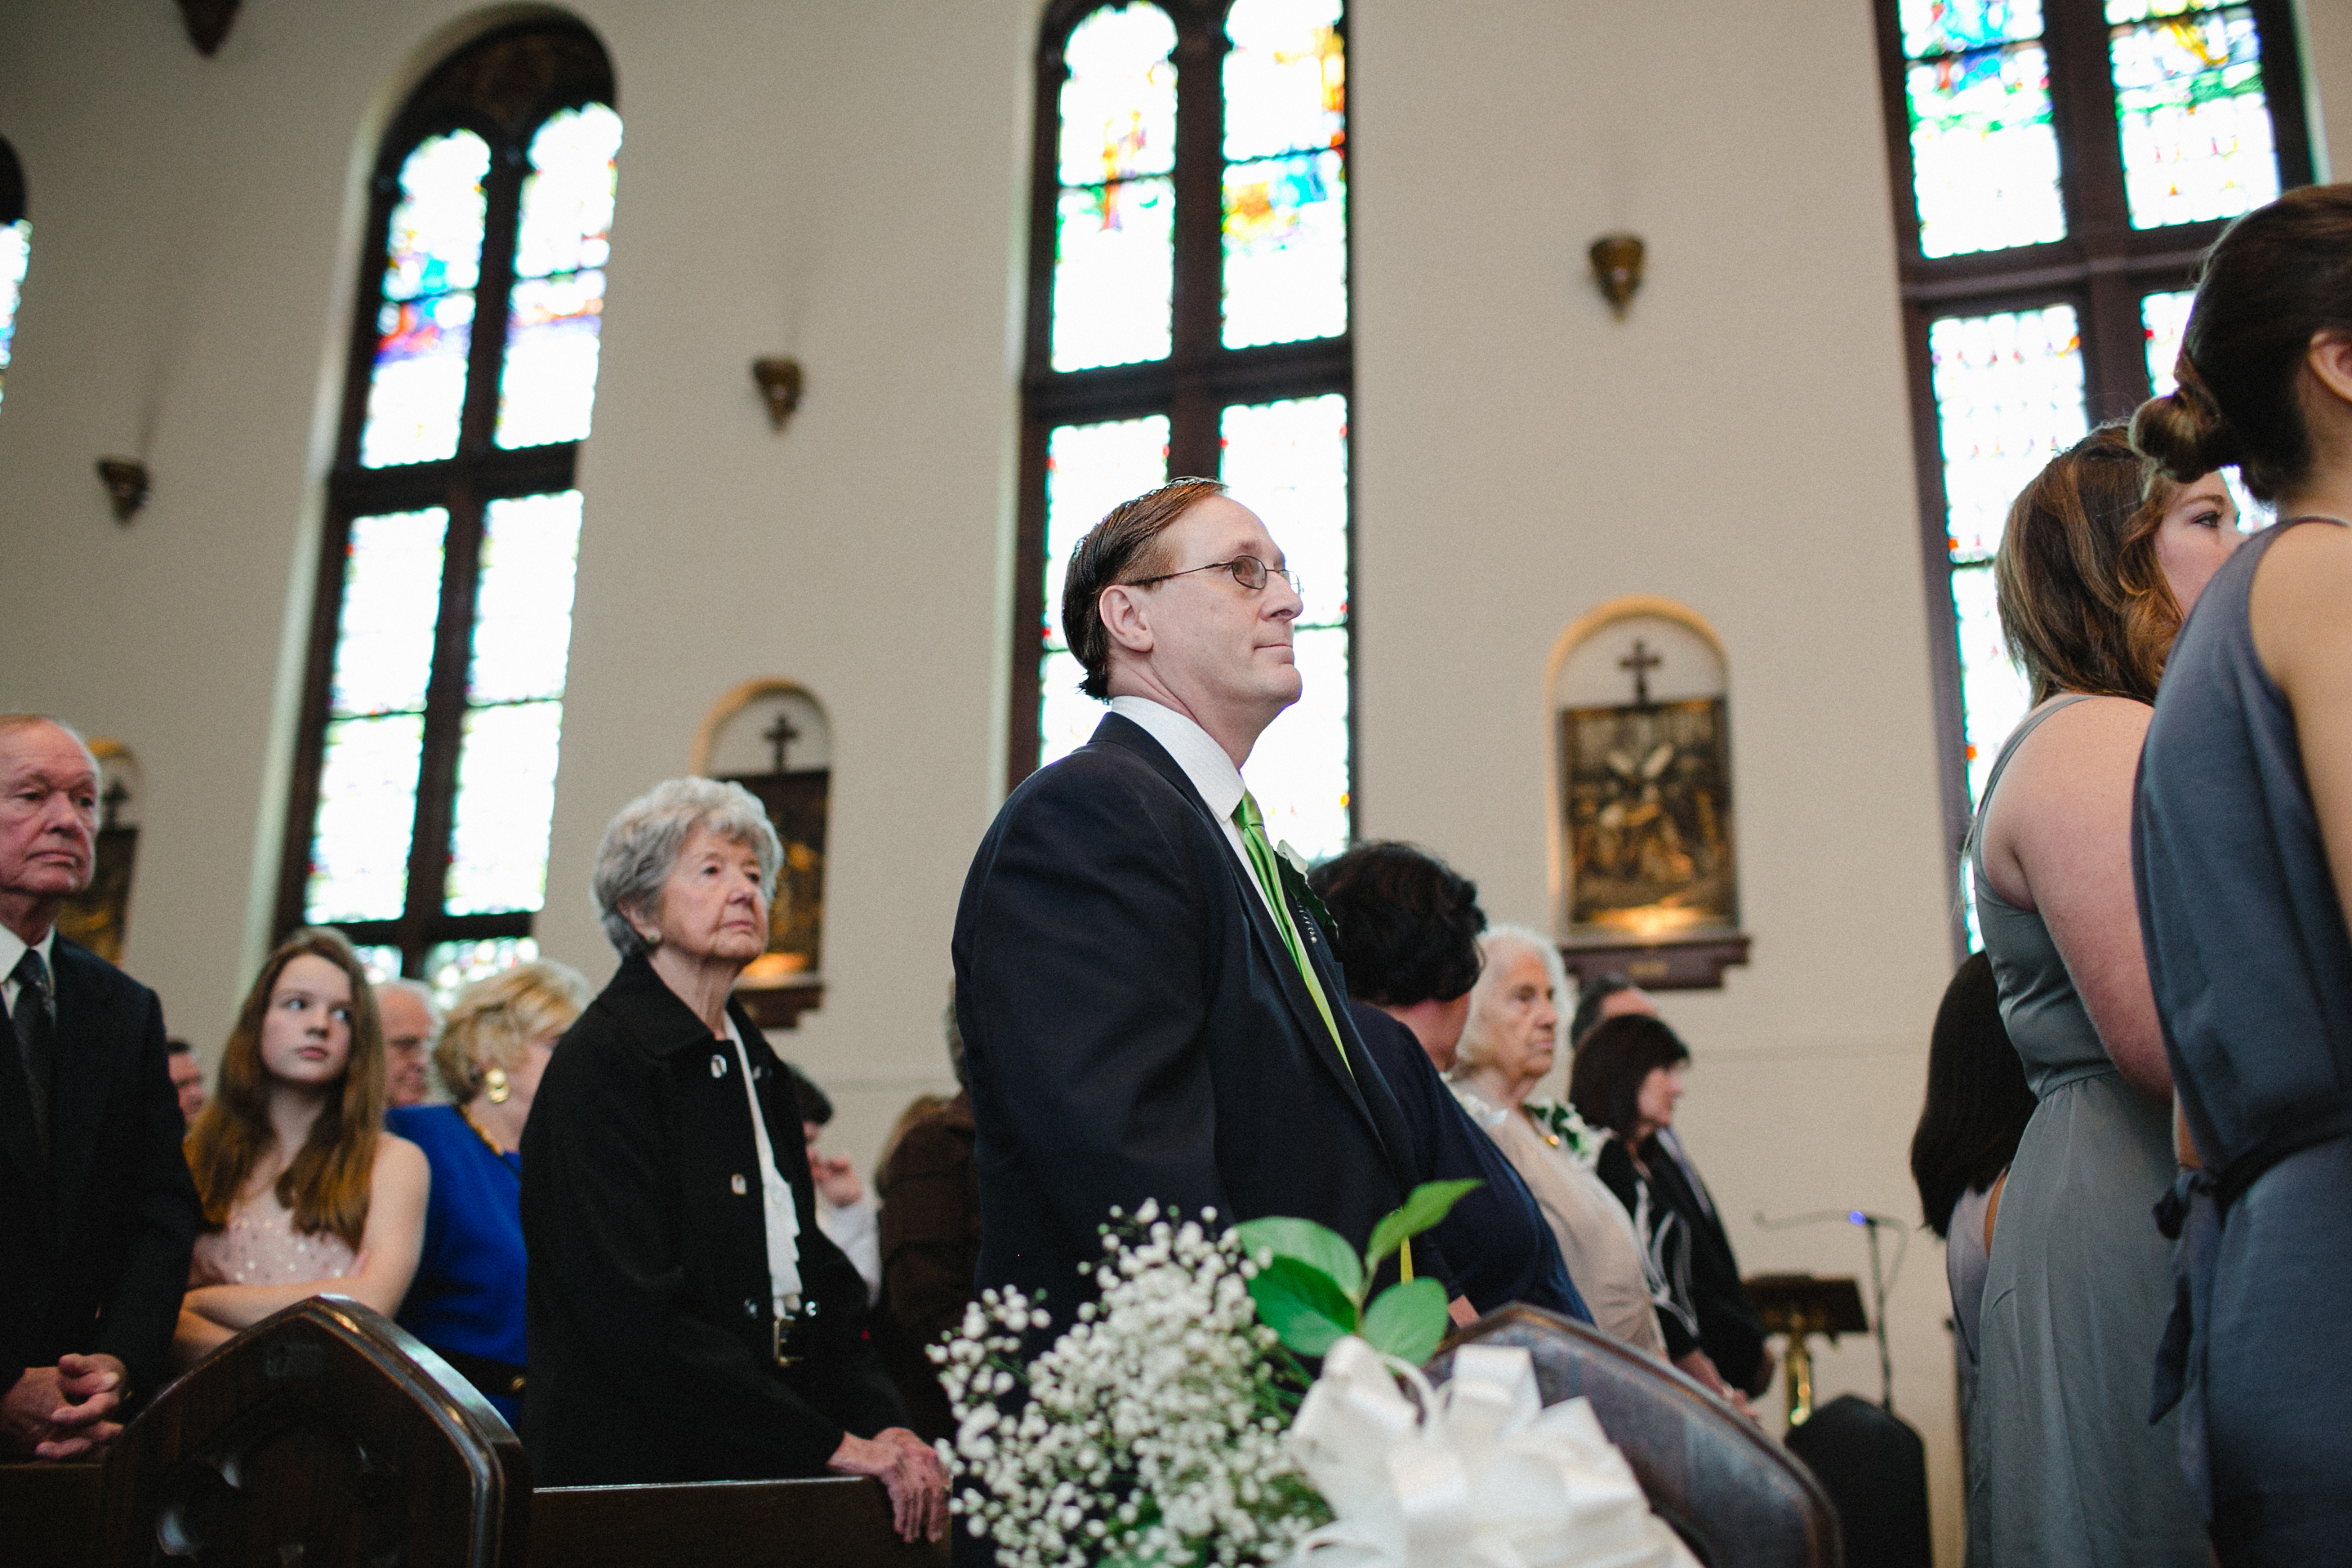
x: 845, y: 183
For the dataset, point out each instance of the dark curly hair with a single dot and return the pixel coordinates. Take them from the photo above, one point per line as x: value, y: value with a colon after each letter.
x: 1611, y: 1062
x: 1408, y: 926
x: 1978, y: 1101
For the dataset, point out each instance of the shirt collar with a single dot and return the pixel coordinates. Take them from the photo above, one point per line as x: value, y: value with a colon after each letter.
x: 1204, y: 761
x: 12, y: 950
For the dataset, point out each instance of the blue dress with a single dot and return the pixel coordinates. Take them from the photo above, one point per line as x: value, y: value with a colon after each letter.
x: 466, y: 1301
x: 2253, y: 969
x: 1496, y: 1247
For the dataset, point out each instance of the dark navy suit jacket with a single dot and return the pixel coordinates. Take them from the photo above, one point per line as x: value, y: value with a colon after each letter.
x: 1134, y: 1029
x: 94, y: 1247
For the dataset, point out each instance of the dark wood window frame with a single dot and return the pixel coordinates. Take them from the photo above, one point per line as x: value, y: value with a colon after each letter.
x: 1199, y: 378
x: 502, y: 87
x: 2103, y: 267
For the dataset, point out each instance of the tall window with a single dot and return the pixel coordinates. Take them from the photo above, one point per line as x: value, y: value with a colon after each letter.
x: 424, y: 782
x: 2061, y: 166
x: 15, y: 250
x: 1188, y: 315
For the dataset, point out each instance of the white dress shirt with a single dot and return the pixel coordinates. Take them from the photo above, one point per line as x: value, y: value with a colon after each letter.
x: 1206, y: 765
x: 12, y: 953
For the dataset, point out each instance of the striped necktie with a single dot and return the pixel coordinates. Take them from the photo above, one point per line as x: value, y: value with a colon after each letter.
x: 1247, y: 818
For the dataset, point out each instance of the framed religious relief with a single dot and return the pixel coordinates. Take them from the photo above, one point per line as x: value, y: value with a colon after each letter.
x: 771, y: 737
x: 1648, y: 805
x: 1644, y: 847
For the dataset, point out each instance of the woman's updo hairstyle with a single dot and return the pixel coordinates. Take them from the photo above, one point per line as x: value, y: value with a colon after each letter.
x: 2276, y: 279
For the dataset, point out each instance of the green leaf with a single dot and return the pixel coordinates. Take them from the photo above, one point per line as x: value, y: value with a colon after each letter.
x: 1407, y: 1320
x: 1304, y: 1306
x: 1313, y: 1244
x: 1425, y: 1206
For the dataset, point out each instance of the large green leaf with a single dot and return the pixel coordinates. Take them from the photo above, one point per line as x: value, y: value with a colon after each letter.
x: 1317, y: 1246
x: 1425, y: 1206
x: 1407, y: 1320
x: 1304, y: 1306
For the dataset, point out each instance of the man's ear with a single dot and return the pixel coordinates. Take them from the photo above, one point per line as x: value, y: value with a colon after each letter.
x: 1125, y: 618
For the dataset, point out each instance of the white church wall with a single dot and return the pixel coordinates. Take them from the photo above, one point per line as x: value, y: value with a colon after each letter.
x: 846, y: 184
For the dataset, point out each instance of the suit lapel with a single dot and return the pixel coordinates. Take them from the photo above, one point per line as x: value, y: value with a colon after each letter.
x: 1136, y: 738
x: 88, y: 1049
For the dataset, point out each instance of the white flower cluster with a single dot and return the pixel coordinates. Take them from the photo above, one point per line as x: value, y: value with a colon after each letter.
x: 1150, y: 1433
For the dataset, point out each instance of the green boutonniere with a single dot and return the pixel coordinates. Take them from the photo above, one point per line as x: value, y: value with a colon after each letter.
x: 1295, y: 864
x: 1560, y: 1125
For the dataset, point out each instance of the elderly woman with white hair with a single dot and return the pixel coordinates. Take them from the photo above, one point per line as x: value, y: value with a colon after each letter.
x: 688, y: 1320
x: 1507, y: 1046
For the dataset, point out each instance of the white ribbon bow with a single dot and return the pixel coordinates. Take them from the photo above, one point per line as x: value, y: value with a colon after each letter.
x: 1482, y: 1475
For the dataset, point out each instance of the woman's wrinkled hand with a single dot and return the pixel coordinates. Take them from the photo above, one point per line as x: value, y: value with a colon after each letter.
x: 909, y: 1469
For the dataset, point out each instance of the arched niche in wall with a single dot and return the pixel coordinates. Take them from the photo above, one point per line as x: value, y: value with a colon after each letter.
x: 770, y: 735
x: 100, y: 916
x: 1646, y: 869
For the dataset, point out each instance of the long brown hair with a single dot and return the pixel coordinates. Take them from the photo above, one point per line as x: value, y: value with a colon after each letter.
x: 326, y: 1183
x: 2084, y: 602
x: 2277, y: 279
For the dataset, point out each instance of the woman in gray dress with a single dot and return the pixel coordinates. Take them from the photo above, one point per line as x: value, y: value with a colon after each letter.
x: 2064, y: 1465
x: 2243, y: 832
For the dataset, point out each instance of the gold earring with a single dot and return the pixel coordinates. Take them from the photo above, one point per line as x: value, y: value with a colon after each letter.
x: 494, y: 1086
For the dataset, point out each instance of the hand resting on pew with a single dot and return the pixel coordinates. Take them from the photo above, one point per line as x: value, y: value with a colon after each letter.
x: 909, y: 1469
x: 58, y: 1412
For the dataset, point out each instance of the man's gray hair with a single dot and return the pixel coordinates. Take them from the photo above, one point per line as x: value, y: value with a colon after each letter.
x: 642, y: 841
x: 1473, y: 1047
x: 424, y: 995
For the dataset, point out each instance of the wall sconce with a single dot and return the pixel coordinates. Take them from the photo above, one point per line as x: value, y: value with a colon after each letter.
x: 779, y: 383
x: 207, y: 23
x: 126, y: 483
x: 1617, y: 269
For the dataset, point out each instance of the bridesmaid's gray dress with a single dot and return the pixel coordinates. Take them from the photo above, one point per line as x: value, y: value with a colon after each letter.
x: 2248, y: 950
x: 2063, y: 1467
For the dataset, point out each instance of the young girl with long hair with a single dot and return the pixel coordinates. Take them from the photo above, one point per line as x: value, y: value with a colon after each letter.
x: 304, y: 1194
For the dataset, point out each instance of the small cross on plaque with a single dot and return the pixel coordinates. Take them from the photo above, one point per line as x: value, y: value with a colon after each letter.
x: 781, y: 734
x: 1641, y: 661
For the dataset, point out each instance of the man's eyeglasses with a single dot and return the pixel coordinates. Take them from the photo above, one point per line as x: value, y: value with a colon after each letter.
x: 1247, y: 569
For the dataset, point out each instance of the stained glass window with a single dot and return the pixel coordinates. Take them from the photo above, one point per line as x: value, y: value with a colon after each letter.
x: 425, y: 785
x: 16, y: 250
x: 1114, y: 264
x: 1129, y: 356
x: 1984, y: 153
x: 2195, y: 126
x: 2064, y: 158
x: 1288, y: 461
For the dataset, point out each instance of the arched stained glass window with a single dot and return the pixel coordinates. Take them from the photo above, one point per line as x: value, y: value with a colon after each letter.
x: 1189, y: 315
x: 16, y: 250
x: 2060, y: 165
x: 424, y: 782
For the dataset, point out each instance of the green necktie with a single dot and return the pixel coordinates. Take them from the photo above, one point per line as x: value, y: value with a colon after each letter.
x: 1247, y: 818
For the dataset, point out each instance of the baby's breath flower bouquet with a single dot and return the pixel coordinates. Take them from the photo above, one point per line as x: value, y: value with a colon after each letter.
x: 1153, y: 1432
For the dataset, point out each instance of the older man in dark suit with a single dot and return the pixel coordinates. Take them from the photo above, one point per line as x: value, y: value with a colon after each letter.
x: 1149, y: 1007
x: 96, y: 1209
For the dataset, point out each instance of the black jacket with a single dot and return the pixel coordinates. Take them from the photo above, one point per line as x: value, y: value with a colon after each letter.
x: 649, y: 1311
x: 1134, y: 1027
x: 94, y: 1250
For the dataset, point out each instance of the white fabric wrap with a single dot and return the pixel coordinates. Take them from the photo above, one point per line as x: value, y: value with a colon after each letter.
x: 776, y: 1206
x: 1480, y: 1476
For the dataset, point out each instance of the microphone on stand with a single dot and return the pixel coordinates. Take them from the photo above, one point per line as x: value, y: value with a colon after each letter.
x: 1880, y: 1279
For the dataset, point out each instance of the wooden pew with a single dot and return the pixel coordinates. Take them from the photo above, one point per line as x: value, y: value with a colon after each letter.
x: 328, y: 1437
x: 1737, y: 1497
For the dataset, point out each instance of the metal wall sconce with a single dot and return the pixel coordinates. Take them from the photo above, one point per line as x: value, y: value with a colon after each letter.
x: 207, y: 21
x: 1617, y: 269
x: 779, y: 382
x: 126, y: 484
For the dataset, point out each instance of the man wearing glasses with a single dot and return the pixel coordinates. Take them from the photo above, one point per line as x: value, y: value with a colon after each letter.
x: 1149, y: 1008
